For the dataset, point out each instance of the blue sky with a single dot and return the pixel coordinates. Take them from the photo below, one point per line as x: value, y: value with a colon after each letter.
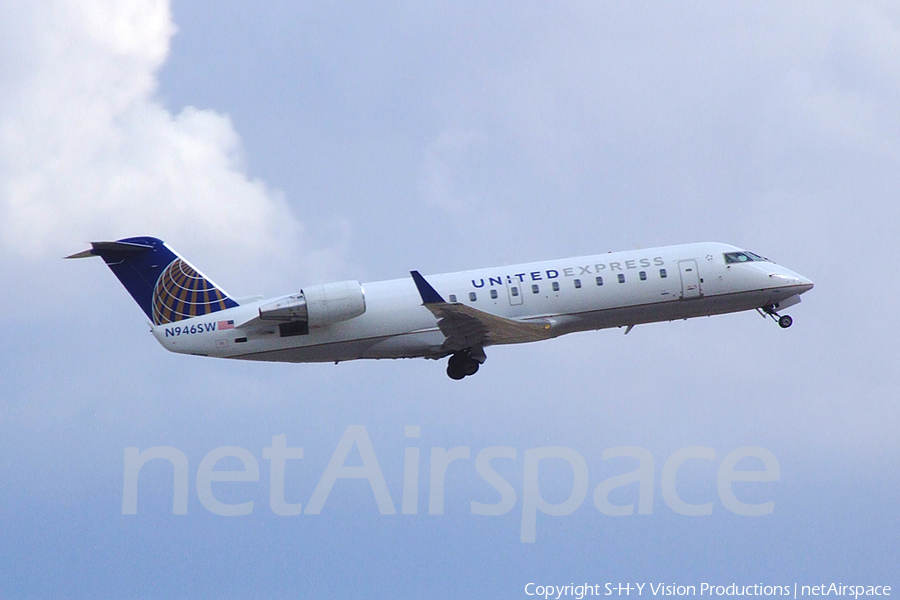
x: 280, y: 145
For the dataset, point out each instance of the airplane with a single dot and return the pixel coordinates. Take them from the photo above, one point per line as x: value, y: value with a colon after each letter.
x: 453, y: 314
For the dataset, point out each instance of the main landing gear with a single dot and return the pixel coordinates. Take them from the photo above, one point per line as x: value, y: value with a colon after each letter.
x: 461, y: 364
x: 784, y: 321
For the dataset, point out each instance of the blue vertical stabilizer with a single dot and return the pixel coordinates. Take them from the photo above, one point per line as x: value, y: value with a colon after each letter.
x: 165, y: 286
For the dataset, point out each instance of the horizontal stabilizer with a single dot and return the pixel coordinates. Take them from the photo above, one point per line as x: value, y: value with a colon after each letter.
x: 98, y: 248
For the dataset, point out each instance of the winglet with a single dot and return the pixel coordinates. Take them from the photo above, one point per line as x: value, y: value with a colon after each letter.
x: 428, y: 293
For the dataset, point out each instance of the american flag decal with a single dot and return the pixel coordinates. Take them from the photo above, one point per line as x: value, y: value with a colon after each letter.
x: 225, y: 325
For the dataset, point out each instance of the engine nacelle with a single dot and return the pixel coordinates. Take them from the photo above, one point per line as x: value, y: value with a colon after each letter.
x: 318, y: 305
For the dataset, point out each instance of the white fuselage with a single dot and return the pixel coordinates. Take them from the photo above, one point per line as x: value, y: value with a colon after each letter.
x: 575, y: 294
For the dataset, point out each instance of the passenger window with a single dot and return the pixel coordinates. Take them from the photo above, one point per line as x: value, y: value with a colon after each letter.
x: 643, y: 275
x: 599, y: 280
x: 514, y: 291
x: 452, y: 297
x: 662, y: 274
x: 493, y: 294
x: 577, y: 284
x: 472, y: 296
x: 621, y: 278
x: 535, y: 289
x: 555, y: 286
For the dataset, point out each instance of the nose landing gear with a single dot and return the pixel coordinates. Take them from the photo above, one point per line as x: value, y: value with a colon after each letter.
x: 784, y: 321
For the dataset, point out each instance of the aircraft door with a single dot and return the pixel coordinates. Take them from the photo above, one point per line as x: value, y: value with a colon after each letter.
x: 690, y: 279
x: 514, y: 291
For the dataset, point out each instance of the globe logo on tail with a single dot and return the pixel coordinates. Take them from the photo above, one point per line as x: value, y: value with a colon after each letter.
x: 181, y: 293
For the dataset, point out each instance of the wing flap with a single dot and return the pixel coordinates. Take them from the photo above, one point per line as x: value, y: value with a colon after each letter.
x: 466, y: 327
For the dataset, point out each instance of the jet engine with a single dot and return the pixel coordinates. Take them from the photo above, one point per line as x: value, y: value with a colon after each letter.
x: 315, y: 306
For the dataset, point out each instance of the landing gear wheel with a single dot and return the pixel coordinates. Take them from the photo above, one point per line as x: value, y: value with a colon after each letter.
x: 457, y: 367
x: 454, y: 374
x: 461, y: 365
x: 783, y: 320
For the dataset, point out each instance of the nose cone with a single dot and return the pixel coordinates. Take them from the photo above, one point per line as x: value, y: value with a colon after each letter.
x: 787, y: 278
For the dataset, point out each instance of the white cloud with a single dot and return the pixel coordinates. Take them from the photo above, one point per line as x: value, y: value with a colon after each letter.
x: 442, y: 157
x: 88, y: 152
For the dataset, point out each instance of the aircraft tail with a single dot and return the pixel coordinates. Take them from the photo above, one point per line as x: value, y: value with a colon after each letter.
x: 165, y: 286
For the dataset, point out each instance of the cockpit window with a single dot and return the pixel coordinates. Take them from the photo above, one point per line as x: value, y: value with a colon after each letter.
x: 739, y: 257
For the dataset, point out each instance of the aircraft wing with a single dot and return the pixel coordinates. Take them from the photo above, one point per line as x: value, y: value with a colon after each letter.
x: 467, y: 327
